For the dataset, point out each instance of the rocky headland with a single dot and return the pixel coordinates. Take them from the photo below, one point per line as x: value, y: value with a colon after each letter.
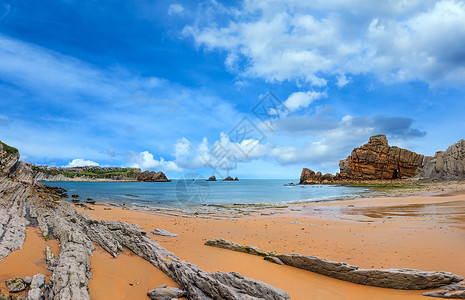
x: 376, y: 161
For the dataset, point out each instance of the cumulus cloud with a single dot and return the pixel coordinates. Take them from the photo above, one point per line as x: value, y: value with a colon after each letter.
x: 145, y: 160
x: 313, y: 41
x: 300, y: 100
x: 175, y: 9
x: 79, y: 162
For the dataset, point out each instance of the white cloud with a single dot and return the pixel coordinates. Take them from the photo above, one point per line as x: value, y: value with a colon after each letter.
x: 342, y: 80
x: 175, y: 9
x: 145, y: 160
x: 300, y: 100
x: 79, y: 162
x: 311, y: 41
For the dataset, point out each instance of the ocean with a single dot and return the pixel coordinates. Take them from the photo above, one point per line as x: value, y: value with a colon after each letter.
x: 189, y: 191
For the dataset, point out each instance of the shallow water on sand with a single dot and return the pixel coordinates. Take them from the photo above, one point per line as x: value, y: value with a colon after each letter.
x: 199, y: 191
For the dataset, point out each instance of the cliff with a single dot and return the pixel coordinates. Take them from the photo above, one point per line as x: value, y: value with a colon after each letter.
x: 151, y: 176
x: 377, y: 160
x: 449, y: 164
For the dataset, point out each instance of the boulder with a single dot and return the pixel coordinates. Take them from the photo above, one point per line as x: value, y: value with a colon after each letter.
x: 164, y: 292
x: 163, y: 232
x: 15, y: 284
x: 152, y: 176
x: 9, y: 297
x: 212, y: 178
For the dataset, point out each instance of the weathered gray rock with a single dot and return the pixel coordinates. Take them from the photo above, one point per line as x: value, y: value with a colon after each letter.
x: 388, y: 278
x: 49, y: 254
x: 27, y: 280
x: 446, y: 294
x: 163, y: 232
x: 9, y: 297
x: 165, y: 292
x: 15, y: 284
x: 274, y: 259
x: 222, y: 243
x: 449, y: 164
x: 35, y: 291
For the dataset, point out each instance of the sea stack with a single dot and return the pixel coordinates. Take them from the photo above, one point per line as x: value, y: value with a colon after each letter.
x: 212, y: 178
x: 229, y: 178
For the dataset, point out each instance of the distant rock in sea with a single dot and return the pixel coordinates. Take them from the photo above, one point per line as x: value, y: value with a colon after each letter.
x: 229, y: 178
x: 212, y: 178
x: 152, y: 176
x: 236, y: 179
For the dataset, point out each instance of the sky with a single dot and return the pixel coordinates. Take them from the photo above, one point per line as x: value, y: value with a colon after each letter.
x: 254, y: 89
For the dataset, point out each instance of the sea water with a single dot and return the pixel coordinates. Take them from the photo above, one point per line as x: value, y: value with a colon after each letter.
x: 200, y: 191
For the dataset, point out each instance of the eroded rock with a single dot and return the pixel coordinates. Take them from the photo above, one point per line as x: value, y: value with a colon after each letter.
x: 15, y: 284
x: 163, y: 232
x: 222, y: 243
x: 165, y: 292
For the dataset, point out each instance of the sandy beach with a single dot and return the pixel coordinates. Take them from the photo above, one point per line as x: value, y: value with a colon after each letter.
x: 425, y: 232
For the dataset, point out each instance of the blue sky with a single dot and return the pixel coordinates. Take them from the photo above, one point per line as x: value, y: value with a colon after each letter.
x: 181, y: 86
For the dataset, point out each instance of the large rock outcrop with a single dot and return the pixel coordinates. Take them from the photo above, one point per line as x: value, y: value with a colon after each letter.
x: 449, y: 164
x: 152, y: 176
x: 377, y: 160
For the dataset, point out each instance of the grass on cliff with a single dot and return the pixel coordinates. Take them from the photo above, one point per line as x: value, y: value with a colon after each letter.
x: 9, y: 149
x: 387, y: 185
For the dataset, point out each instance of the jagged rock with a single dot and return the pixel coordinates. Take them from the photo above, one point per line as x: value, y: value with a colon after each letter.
x: 236, y: 179
x: 15, y: 284
x: 229, y: 178
x: 388, y: 278
x: 9, y: 297
x: 446, y: 294
x: 151, y: 176
x: 377, y: 160
x: 49, y: 254
x: 449, y: 164
x: 222, y: 243
x: 27, y: 280
x: 274, y: 259
x: 163, y: 232
x: 212, y: 178
x: 35, y: 292
x: 163, y: 292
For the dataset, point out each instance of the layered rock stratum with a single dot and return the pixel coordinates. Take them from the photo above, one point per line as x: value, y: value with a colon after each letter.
x: 22, y: 198
x: 376, y: 160
x: 152, y: 176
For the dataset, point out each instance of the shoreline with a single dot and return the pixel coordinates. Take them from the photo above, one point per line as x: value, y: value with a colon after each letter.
x: 422, y: 230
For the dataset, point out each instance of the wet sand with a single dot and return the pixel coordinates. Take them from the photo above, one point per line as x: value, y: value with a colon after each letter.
x: 424, y: 232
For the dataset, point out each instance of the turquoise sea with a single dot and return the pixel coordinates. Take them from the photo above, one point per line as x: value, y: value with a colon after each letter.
x: 199, y: 191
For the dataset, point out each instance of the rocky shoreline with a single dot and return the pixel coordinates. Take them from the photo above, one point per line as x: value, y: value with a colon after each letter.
x: 377, y: 162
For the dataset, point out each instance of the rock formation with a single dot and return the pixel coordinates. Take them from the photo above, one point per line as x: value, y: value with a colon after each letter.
x: 375, y: 160
x: 407, y: 279
x: 229, y: 178
x: 77, y: 233
x: 236, y: 179
x: 212, y: 178
x: 152, y: 176
x: 449, y: 164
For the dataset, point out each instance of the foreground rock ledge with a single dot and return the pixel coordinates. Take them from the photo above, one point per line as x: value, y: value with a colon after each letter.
x: 405, y: 279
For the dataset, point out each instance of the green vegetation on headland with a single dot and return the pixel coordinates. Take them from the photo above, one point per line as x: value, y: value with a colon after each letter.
x: 9, y: 149
x: 386, y: 185
x: 92, y: 172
